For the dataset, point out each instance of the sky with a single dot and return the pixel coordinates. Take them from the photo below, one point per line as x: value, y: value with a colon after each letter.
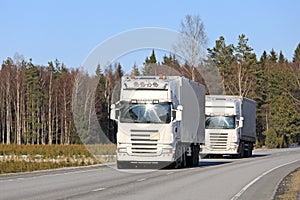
x: 70, y: 30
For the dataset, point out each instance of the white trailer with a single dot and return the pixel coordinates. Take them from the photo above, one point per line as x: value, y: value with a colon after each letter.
x: 230, y: 126
x: 160, y: 121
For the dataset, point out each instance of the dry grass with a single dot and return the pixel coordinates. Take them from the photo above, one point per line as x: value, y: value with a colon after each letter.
x: 293, y: 187
x: 21, y: 158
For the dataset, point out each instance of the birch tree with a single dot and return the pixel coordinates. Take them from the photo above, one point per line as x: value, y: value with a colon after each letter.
x: 192, y: 42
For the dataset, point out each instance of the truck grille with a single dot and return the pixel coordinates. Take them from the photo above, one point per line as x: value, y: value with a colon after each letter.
x: 143, y: 144
x: 218, y: 141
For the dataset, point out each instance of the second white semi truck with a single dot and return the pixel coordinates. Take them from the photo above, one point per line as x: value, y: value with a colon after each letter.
x: 230, y: 126
x: 160, y: 121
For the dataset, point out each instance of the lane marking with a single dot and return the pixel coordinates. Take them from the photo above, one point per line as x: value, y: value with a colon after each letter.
x: 170, y: 173
x: 99, y: 189
x: 51, y: 175
x: 140, y: 180
x: 235, y: 197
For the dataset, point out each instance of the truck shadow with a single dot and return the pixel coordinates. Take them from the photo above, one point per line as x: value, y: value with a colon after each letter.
x: 235, y: 158
x: 259, y: 155
x: 212, y: 163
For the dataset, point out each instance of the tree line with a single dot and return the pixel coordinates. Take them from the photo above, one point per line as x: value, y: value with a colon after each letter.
x: 37, y: 102
x: 272, y: 81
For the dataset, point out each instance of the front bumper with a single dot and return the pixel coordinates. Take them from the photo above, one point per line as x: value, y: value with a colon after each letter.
x: 229, y: 150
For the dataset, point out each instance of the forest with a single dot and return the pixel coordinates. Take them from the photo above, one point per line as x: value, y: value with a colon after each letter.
x: 36, y: 101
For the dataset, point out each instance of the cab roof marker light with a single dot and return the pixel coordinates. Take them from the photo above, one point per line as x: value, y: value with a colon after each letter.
x: 133, y: 76
x: 134, y: 101
x: 155, y: 101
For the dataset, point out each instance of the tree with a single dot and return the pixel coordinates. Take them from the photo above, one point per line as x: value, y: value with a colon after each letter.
x: 7, y: 99
x: 236, y: 65
x: 285, y: 118
x: 33, y: 103
x: 135, y: 70
x: 271, y: 138
x: 50, y: 114
x: 149, y: 62
x: 281, y: 58
x: 152, y: 58
x: 273, y: 56
x: 100, y: 102
x: 222, y: 56
x: 296, y: 57
x: 246, y: 61
x: 262, y: 97
x: 192, y: 43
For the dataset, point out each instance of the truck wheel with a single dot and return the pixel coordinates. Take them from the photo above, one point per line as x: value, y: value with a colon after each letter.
x: 180, y: 156
x: 193, y: 160
x: 197, y: 147
x: 250, y: 149
x: 246, y: 150
x: 183, y: 160
x: 242, y: 150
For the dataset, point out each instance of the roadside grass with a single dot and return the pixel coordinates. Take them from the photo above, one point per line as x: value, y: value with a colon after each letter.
x: 292, y: 186
x: 22, y: 158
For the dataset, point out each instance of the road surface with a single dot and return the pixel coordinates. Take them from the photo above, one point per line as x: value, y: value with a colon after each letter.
x: 250, y: 178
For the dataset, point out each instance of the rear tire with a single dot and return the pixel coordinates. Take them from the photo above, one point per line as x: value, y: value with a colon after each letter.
x: 250, y: 149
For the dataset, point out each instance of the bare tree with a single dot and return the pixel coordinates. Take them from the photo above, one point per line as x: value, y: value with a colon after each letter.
x: 192, y: 42
x: 50, y: 137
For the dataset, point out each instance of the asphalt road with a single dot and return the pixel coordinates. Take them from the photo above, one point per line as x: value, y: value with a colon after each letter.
x: 250, y: 178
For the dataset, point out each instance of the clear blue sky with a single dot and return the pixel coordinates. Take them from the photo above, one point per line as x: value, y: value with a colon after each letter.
x: 69, y: 30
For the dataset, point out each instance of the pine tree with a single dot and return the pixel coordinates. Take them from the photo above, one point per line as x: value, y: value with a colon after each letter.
x: 296, y: 57
x: 281, y: 58
x: 33, y: 103
x: 262, y: 96
x: 173, y: 66
x: 271, y: 138
x: 100, y: 102
x: 263, y: 58
x: 273, y: 56
x: 223, y: 58
x: 151, y: 59
x: 135, y: 70
x: 285, y: 118
x: 149, y: 63
x: 246, y: 63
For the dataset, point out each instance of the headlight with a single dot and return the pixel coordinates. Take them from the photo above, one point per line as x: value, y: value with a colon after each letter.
x: 167, y: 150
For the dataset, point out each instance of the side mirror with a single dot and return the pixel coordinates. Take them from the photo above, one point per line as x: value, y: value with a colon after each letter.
x: 179, y: 113
x: 241, y: 122
x: 113, y: 111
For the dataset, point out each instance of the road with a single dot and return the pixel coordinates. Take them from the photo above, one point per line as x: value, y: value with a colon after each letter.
x: 250, y: 178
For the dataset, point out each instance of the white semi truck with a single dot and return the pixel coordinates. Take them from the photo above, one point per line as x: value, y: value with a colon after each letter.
x: 230, y: 126
x: 160, y: 121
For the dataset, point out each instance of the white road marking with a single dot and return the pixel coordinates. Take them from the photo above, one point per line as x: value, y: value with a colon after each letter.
x: 140, y: 180
x: 235, y: 197
x: 170, y: 173
x: 99, y: 189
x: 50, y: 175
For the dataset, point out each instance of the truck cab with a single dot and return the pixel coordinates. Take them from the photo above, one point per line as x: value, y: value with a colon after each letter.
x: 224, y: 126
x: 149, y: 116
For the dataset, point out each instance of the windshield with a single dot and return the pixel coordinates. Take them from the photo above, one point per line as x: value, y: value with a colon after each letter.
x: 145, y: 113
x: 220, y: 122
